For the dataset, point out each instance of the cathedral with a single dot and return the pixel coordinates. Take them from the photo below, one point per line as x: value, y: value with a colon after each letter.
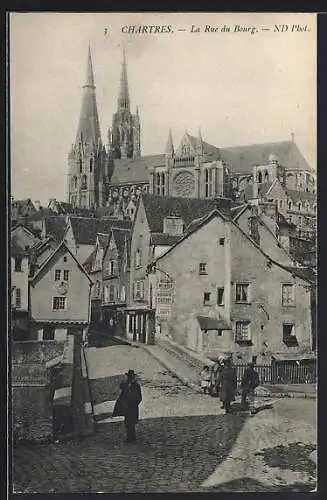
x: 114, y: 175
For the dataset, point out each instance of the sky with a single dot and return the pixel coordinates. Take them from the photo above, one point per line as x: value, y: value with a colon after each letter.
x: 240, y: 88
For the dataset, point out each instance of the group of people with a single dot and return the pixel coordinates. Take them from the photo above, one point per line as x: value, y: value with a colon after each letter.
x: 221, y: 380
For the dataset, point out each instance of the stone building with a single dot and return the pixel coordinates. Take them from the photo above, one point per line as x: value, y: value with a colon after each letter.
x: 124, y: 136
x: 216, y: 291
x: 60, y: 296
x: 159, y: 223
x: 88, y: 161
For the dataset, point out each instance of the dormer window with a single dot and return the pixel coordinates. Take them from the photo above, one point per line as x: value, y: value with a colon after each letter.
x: 173, y: 225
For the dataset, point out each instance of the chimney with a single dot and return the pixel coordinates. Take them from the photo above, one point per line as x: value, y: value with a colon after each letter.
x: 37, y: 205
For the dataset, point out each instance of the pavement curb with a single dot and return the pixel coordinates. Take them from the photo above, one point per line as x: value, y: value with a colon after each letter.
x: 189, y: 383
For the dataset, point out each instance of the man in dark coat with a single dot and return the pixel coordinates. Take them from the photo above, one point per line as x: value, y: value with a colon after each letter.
x: 228, y: 385
x: 127, y: 404
x: 249, y: 382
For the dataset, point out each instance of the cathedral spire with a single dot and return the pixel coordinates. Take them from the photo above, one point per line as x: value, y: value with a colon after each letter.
x: 88, y: 127
x: 170, y: 146
x: 123, y: 99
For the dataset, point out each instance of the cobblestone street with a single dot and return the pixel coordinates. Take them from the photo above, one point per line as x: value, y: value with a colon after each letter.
x: 185, y: 441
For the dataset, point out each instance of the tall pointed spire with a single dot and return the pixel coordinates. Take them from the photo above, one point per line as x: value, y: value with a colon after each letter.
x: 88, y: 128
x: 123, y: 99
x: 170, y: 146
x: 89, y: 72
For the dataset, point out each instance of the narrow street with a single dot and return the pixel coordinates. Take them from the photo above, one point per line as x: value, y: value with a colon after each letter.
x: 185, y: 441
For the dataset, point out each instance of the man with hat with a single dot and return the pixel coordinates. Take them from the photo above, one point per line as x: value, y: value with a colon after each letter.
x: 127, y: 404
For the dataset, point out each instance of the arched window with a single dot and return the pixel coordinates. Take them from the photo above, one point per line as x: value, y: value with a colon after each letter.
x: 290, y: 205
x: 260, y: 177
x: 74, y: 181
x: 84, y: 182
x: 80, y: 165
x: 266, y: 176
x: 91, y: 164
x: 299, y: 206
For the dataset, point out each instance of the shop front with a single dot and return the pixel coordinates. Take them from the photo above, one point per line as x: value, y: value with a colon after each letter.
x: 140, y: 325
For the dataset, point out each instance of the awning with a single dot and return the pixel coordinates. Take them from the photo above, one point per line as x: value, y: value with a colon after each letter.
x: 207, y: 323
x: 293, y: 356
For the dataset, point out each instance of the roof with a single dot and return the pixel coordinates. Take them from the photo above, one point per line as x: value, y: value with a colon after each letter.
x: 305, y: 273
x: 55, y: 226
x: 189, y: 209
x: 135, y: 170
x: 120, y: 236
x: 163, y: 239
x: 300, y: 272
x: 242, y: 158
x: 300, y: 195
x: 60, y: 247
x: 263, y: 189
x: 208, y: 149
x: 237, y: 211
x: 85, y: 229
x: 208, y: 323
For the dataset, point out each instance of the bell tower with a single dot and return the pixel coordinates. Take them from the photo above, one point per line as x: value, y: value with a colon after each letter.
x: 88, y: 160
x: 124, y: 135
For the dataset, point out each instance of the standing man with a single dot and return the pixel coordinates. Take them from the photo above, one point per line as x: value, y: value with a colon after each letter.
x: 127, y: 404
x: 228, y: 385
x: 249, y: 383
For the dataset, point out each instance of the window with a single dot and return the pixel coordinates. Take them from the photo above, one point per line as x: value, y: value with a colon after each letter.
x: 65, y: 259
x: 299, y: 206
x: 288, y: 330
x: 206, y: 298
x: 138, y: 290
x: 97, y: 288
x: 123, y: 294
x: 91, y: 164
x: 242, y: 293
x: 260, y: 177
x: 18, y: 297
x: 57, y: 274
x: 290, y: 205
x: 49, y: 332
x: 80, y: 165
x: 202, y: 268
x: 84, y: 182
x: 111, y: 293
x: 280, y: 203
x: 18, y: 263
x: 242, y: 330
x: 266, y: 176
x: 138, y: 258
x: 220, y: 296
x: 221, y: 241
x: 209, y: 187
x: 160, y: 183
x: 219, y: 333
x: 66, y: 275
x: 106, y: 293
x: 111, y: 268
x: 288, y: 298
x: 59, y: 303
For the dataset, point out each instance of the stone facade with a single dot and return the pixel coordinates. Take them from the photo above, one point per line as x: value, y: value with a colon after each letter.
x: 59, y: 297
x: 226, y: 296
